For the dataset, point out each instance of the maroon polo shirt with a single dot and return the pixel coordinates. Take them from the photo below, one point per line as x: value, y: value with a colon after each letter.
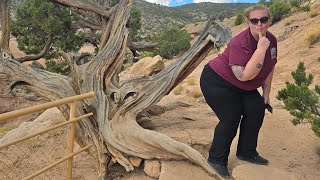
x: 238, y: 52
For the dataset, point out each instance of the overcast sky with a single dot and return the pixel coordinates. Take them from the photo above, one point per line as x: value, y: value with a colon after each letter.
x: 173, y: 3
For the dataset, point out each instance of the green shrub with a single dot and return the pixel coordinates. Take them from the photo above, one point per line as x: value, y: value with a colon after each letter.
x: 295, y: 3
x: 300, y: 101
x: 53, y: 66
x: 44, y: 20
x: 58, y: 67
x: 279, y: 10
x: 135, y: 22
x: 239, y: 19
x: 305, y: 8
x: 171, y: 42
x: 143, y: 54
x: 35, y: 64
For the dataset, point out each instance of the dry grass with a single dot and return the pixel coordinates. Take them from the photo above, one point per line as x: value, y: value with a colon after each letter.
x: 318, y: 151
x: 178, y: 90
x: 288, y: 21
x: 3, y: 130
x: 312, y: 35
x: 196, y: 93
x: 313, y: 13
x: 315, y: 6
x: 191, y: 81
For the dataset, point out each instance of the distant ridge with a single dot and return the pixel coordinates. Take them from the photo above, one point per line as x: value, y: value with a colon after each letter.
x: 156, y: 17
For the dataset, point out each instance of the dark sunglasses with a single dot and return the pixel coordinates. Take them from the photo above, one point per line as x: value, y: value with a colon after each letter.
x: 263, y: 20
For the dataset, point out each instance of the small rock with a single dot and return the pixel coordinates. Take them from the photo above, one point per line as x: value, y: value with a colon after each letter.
x: 135, y: 161
x: 152, y: 168
x: 47, y: 119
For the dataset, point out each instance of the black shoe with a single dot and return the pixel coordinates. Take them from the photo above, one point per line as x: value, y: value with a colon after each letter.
x: 220, y: 169
x: 255, y: 159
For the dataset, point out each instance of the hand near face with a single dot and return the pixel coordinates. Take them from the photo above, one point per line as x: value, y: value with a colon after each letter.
x: 263, y: 42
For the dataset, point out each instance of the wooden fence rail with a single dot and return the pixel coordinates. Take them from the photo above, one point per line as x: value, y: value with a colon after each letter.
x: 24, y: 111
x: 71, y: 129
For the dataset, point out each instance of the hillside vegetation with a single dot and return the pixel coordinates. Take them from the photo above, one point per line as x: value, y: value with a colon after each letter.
x: 156, y: 18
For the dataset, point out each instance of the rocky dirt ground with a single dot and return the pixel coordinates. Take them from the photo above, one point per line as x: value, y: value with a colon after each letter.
x: 293, y: 151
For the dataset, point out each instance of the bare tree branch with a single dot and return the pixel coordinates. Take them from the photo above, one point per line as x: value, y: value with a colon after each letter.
x: 109, y: 60
x: 37, y: 78
x: 86, y: 5
x: 38, y: 56
x: 214, y: 35
x: 88, y: 23
x: 141, y: 45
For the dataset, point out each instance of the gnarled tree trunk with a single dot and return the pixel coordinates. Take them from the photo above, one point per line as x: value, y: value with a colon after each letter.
x: 113, y: 128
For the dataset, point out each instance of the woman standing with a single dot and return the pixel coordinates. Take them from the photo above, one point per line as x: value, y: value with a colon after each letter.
x: 229, y: 84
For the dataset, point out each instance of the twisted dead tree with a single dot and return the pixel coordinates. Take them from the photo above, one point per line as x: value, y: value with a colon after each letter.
x: 113, y: 129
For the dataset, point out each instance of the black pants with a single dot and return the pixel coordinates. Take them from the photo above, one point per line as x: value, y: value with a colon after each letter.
x: 232, y: 106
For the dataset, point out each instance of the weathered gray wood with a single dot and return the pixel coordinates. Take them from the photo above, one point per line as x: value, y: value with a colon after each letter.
x: 141, y: 45
x: 86, y: 5
x: 5, y: 18
x: 113, y: 128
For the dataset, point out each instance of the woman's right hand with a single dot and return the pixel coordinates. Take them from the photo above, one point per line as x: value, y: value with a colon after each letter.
x: 263, y: 42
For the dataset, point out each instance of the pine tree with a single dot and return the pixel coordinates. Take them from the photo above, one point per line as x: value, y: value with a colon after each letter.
x: 300, y: 101
x: 173, y: 41
x: 47, y: 22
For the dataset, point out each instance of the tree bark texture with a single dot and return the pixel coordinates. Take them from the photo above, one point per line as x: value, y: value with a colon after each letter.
x: 5, y: 18
x: 113, y: 129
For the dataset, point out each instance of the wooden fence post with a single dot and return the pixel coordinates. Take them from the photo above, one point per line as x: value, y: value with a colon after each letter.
x: 71, y: 131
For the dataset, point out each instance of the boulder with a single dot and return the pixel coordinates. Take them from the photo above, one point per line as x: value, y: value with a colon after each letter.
x: 147, y: 66
x: 47, y: 119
